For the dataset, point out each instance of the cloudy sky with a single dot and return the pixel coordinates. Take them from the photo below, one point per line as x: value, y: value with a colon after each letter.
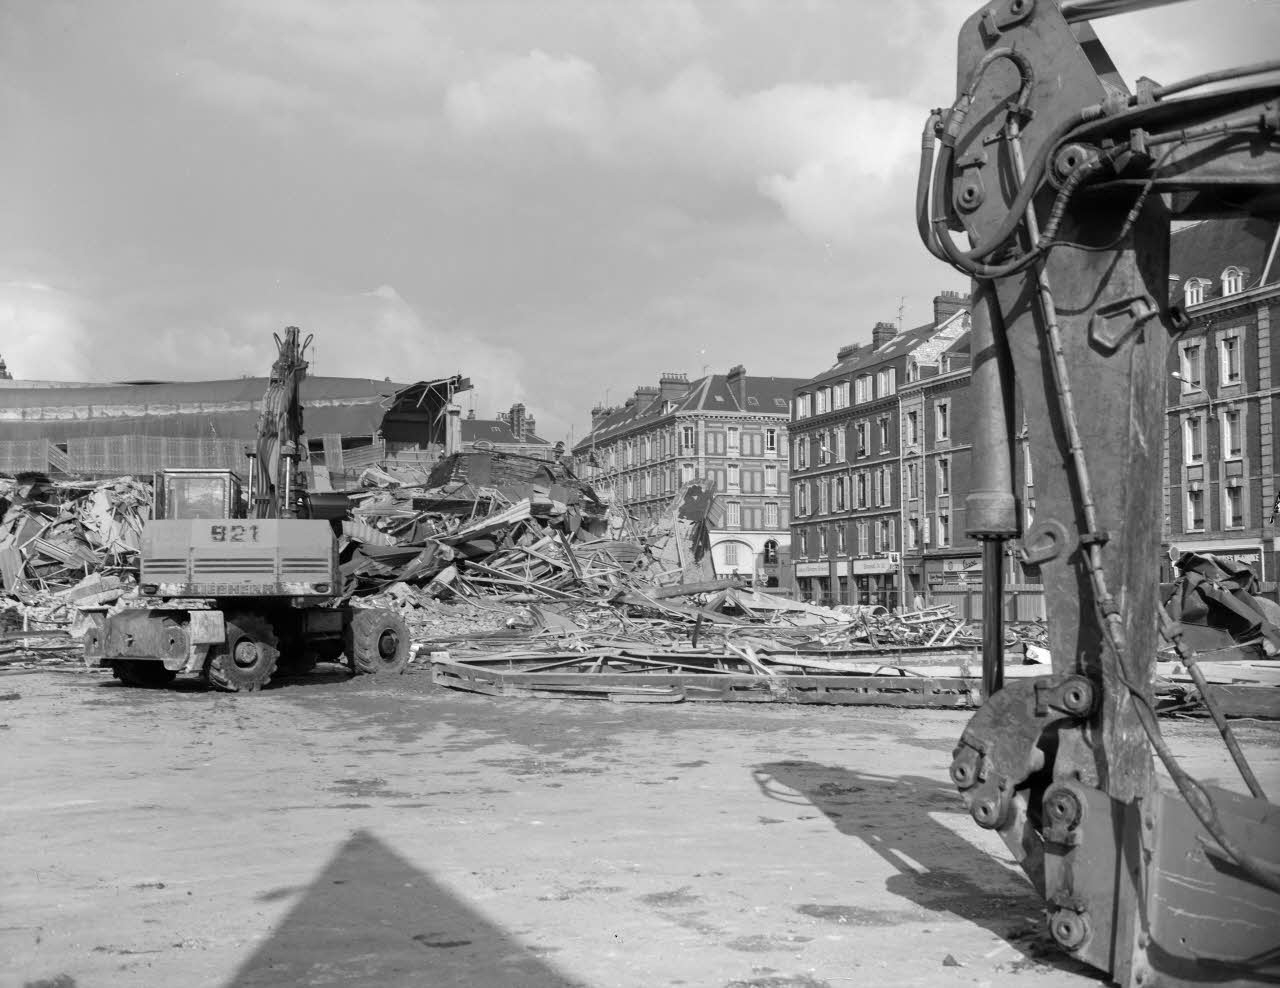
x: 560, y: 200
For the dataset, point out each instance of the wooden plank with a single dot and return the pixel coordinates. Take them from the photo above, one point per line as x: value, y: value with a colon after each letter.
x: 1247, y: 701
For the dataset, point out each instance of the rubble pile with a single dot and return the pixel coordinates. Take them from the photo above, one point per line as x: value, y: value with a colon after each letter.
x: 55, y: 533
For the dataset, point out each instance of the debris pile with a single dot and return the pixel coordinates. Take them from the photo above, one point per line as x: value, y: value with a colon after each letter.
x: 55, y: 533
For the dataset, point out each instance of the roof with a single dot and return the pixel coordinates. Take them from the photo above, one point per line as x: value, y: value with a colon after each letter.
x: 711, y: 394
x: 1207, y: 248
x: 498, y: 432
x: 866, y: 357
x: 197, y: 409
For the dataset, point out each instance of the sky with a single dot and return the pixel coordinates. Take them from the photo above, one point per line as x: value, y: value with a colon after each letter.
x: 559, y: 200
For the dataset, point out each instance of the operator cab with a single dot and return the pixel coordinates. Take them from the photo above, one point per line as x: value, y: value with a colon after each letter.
x: 196, y: 493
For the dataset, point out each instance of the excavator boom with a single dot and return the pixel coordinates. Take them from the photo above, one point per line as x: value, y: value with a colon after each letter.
x: 1064, y: 184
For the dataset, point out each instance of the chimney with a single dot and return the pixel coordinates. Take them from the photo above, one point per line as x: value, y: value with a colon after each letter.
x: 847, y: 351
x: 673, y: 386
x: 646, y: 395
x: 4, y: 371
x: 598, y: 414
x: 882, y: 333
x: 516, y: 420
x: 453, y: 430
x: 530, y: 427
x: 737, y: 381
x: 947, y: 305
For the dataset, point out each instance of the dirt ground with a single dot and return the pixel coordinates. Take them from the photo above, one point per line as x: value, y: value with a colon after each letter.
x: 385, y: 833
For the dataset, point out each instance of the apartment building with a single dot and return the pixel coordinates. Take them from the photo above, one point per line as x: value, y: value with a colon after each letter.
x: 847, y: 469
x: 728, y: 429
x: 1224, y: 395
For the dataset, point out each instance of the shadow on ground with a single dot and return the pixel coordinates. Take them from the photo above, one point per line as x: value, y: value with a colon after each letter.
x: 937, y: 869
x: 372, y: 919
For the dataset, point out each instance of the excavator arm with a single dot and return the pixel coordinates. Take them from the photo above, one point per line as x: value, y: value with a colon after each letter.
x: 273, y: 471
x: 1064, y: 184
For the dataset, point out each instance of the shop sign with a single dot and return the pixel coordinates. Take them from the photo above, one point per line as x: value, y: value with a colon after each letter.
x: 956, y: 565
x: 813, y: 569
x: 842, y: 568
x: 874, y: 566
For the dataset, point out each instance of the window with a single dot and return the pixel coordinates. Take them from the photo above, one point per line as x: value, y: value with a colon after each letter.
x: 1232, y: 281
x: 822, y: 497
x: 882, y: 425
x: 942, y: 419
x: 752, y: 481
x: 913, y: 532
x: 841, y: 484
x: 1231, y: 434
x: 735, y: 439
x: 820, y: 401
x: 771, y: 440
x: 1192, y: 366
x: 862, y: 490
x: 1229, y: 351
x: 842, y: 394
x: 771, y: 516
x: 824, y: 447
x: 1193, y: 292
x: 913, y: 481
x: 731, y: 554
x: 912, y: 370
x: 804, y: 406
x: 913, y: 427
x: 1234, y: 507
x: 714, y: 441
x: 863, y: 529
x: 1192, y: 440
x: 686, y: 472
x: 944, y: 528
x: 771, y: 547
x: 861, y: 431
x: 944, y: 476
x: 648, y: 484
x: 770, y: 477
x: 687, y: 441
x: 802, y: 452
x: 887, y: 381
x: 804, y: 542
x: 1195, y: 511
x: 840, y: 540
x: 822, y: 542
x: 733, y: 514
x: 862, y: 389
x: 734, y: 480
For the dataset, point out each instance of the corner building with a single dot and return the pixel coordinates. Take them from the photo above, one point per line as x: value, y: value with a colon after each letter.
x: 727, y: 429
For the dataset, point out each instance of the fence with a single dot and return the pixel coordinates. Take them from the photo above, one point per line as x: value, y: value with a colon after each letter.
x: 1022, y: 601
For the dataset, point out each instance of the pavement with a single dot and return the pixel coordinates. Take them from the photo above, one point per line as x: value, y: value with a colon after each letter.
x: 355, y: 832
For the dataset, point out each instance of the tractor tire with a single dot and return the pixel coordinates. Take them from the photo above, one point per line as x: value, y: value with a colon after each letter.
x: 245, y: 662
x: 142, y: 672
x: 377, y: 642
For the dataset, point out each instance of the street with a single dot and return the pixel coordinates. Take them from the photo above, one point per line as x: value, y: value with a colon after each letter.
x: 385, y: 832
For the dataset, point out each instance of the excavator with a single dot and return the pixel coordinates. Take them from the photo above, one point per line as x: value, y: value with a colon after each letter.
x: 1052, y: 186
x: 235, y: 584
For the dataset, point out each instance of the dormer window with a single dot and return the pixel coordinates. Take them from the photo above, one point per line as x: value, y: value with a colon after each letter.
x: 1232, y: 281
x: 1193, y: 292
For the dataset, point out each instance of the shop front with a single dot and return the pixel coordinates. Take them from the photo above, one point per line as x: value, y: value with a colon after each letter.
x: 875, y: 582
x: 813, y: 581
x: 1252, y: 554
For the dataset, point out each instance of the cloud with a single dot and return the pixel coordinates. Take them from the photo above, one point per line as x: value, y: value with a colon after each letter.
x: 44, y: 333
x: 531, y: 93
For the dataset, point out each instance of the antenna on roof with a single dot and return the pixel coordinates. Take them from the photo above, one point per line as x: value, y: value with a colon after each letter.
x: 902, y: 301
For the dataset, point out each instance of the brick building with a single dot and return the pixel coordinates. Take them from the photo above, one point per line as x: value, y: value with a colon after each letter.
x: 513, y: 431
x: 1224, y: 394
x: 729, y: 429
x: 847, y: 461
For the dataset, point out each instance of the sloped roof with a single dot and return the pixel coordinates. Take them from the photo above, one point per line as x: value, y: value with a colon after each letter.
x: 496, y: 431
x: 1206, y: 249
x: 866, y: 357
x: 764, y: 396
x: 197, y: 409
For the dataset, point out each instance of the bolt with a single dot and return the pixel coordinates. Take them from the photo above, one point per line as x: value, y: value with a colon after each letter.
x: 986, y: 813
x: 961, y: 774
x: 1070, y: 929
x: 1063, y: 807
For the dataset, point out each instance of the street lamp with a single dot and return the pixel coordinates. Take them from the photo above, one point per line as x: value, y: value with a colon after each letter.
x: 1192, y: 387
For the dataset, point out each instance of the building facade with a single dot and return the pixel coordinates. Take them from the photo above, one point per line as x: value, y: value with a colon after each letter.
x: 1224, y: 395
x: 848, y: 472
x: 727, y: 429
